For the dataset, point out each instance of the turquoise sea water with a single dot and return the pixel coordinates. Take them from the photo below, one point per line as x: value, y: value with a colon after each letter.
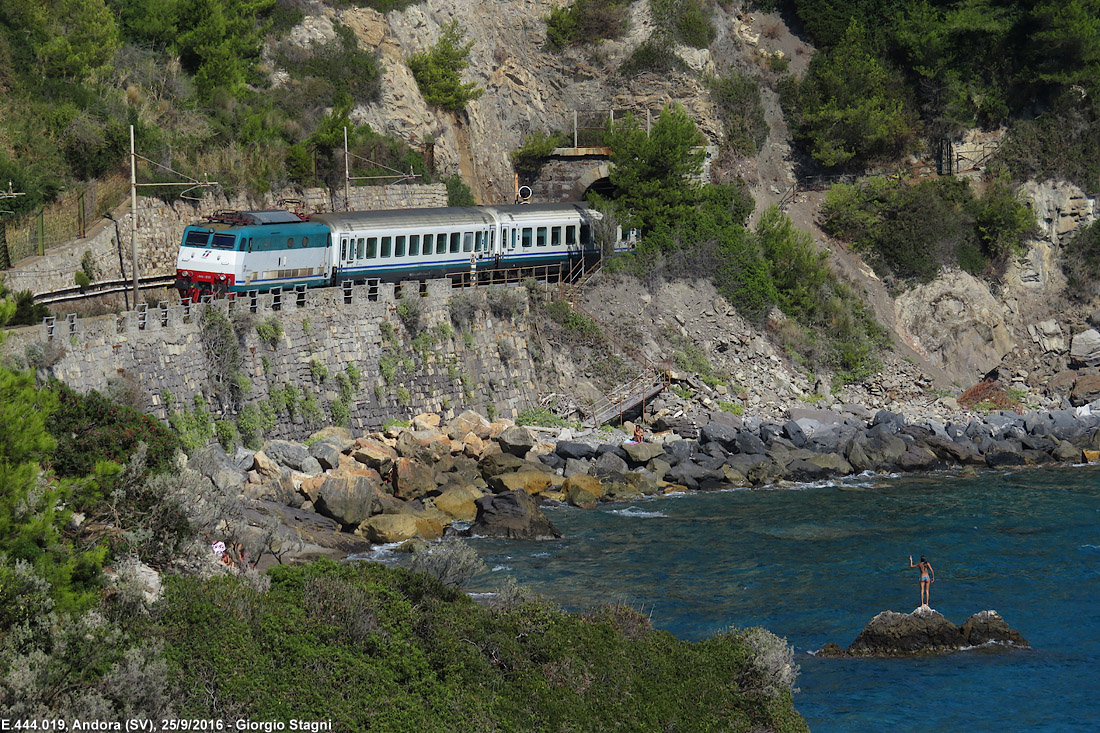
x: 814, y: 564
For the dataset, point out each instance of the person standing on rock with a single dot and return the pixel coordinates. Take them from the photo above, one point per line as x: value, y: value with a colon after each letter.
x: 927, y: 577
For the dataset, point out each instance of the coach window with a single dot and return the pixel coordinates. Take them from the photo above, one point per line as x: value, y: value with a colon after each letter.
x: 571, y: 234
x: 512, y: 237
x: 360, y: 249
x: 456, y: 241
x: 440, y: 244
x: 429, y: 242
x: 468, y: 242
x: 555, y: 237
x: 372, y: 247
x: 399, y: 250
x: 386, y: 242
x: 540, y: 236
x: 526, y: 237
x: 414, y: 245
x: 479, y: 238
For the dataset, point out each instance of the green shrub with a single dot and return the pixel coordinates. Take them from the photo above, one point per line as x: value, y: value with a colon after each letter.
x: 507, y: 668
x: 1081, y: 263
x: 318, y: 370
x: 541, y: 417
x: 458, y: 193
x: 733, y: 408
x: 403, y: 395
x: 576, y: 324
x: 741, y: 109
x: 537, y: 146
x: 586, y: 22
x: 654, y: 54
x: 338, y: 408
x: 270, y: 331
x: 81, y: 280
x: 227, y: 434
x: 450, y: 561
x: 438, y: 71
x: 90, y: 428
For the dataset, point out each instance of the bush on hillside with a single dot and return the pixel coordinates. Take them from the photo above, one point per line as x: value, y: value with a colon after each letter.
x: 1081, y: 263
x: 411, y: 653
x: 90, y: 428
x: 438, y: 71
x: 586, y: 22
x: 741, y: 109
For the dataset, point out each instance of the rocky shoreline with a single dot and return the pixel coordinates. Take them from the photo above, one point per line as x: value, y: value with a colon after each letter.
x: 337, y: 494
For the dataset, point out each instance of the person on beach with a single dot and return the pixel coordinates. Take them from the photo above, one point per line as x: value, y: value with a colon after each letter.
x: 927, y: 577
x: 639, y: 436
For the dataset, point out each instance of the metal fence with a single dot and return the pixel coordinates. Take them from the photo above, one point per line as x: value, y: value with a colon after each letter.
x: 69, y: 218
x: 590, y: 125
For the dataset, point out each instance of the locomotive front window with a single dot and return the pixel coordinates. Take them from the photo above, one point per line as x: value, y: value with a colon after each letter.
x: 386, y: 241
x: 456, y: 241
x: 555, y: 237
x: 414, y: 245
x: 571, y: 234
x: 360, y: 249
x: 399, y: 250
x: 196, y: 238
x: 224, y: 241
x: 372, y: 247
x: 468, y: 242
x: 525, y: 237
x: 540, y: 236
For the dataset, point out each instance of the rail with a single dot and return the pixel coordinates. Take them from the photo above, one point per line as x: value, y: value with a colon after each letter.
x: 104, y: 288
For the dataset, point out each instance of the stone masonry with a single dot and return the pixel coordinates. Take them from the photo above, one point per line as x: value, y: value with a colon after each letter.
x: 160, y: 228
x: 433, y: 367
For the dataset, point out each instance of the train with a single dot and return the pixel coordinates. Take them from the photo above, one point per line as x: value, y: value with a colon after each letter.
x: 236, y: 252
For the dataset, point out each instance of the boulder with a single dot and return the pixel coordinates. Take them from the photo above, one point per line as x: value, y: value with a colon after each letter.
x: 587, y: 483
x: 350, y: 499
x: 264, y: 466
x: 326, y: 454
x: 724, y: 435
x: 412, y: 479
x: 468, y: 422
x: 1085, y: 348
x: 642, y: 453
x: 374, y: 454
x: 387, y: 528
x: 571, y: 449
x: 750, y: 443
x: 458, y: 503
x: 533, y: 482
x: 890, y: 633
x: 516, y: 441
x: 512, y: 515
x: 1085, y: 389
x: 574, y: 467
x: 926, y: 631
x: 286, y: 453
x: 213, y: 462
x: 988, y: 626
x: 580, y: 498
x: 608, y: 463
x: 499, y: 463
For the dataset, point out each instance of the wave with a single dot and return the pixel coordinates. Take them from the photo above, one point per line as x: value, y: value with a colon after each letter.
x: 498, y: 568
x: 636, y: 512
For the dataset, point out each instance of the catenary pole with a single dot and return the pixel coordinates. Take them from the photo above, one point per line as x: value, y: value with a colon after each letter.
x: 133, y: 215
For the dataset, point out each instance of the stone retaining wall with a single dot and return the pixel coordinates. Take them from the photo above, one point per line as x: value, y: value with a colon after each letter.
x: 160, y: 227
x: 431, y: 368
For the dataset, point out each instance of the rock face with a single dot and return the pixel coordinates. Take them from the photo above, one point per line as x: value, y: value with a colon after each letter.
x: 513, y: 515
x: 926, y: 631
x: 957, y: 323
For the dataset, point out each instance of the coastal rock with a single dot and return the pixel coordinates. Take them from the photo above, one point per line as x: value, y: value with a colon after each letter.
x: 286, y: 453
x: 512, y: 515
x: 349, y: 500
x: 1085, y: 348
x: 468, y: 422
x: 378, y: 456
x: 326, y: 454
x: 925, y: 631
x: 458, y: 503
x: 386, y: 528
x: 641, y: 453
x: 988, y: 626
x: 412, y: 479
x: 516, y: 440
x: 533, y: 482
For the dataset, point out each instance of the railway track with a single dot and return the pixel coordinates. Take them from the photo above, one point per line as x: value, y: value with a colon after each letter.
x: 104, y: 288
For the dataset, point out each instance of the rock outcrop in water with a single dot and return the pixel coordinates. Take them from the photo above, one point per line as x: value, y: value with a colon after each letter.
x: 925, y: 631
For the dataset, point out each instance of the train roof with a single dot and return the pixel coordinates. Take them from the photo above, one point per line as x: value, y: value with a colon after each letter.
x: 350, y: 220
x: 440, y: 216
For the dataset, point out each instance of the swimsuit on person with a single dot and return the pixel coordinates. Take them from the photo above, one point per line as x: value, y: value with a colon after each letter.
x: 923, y: 578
